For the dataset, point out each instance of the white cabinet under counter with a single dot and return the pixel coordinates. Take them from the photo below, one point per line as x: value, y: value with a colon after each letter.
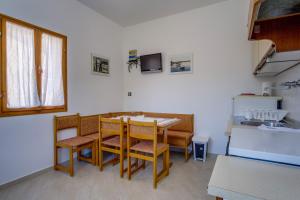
x: 275, y: 146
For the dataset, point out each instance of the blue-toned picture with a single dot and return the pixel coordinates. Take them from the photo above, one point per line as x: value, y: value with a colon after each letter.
x: 181, y: 63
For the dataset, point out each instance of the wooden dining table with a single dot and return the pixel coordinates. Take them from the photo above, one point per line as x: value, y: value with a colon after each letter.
x: 163, y: 124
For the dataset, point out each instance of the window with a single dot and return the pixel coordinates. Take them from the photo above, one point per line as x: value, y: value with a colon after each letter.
x: 33, y: 69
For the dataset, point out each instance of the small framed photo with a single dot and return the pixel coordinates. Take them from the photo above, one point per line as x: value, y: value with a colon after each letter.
x: 100, y: 65
x: 181, y: 64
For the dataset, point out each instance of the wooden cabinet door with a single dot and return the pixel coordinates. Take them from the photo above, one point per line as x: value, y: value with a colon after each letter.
x: 260, y: 49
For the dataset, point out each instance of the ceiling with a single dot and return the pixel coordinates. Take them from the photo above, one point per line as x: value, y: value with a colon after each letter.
x: 131, y: 12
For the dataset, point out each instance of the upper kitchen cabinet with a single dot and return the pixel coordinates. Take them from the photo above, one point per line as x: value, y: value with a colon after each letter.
x: 274, y: 28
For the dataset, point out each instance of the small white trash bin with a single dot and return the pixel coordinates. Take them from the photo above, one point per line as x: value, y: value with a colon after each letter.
x: 200, y: 147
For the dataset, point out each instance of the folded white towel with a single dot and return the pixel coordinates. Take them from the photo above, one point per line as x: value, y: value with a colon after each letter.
x: 278, y: 129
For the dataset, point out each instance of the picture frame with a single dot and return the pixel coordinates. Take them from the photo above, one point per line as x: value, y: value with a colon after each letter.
x: 100, y: 65
x: 181, y: 63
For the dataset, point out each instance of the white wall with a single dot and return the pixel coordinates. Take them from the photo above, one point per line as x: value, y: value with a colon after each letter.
x: 291, y: 98
x: 26, y: 143
x: 217, y: 37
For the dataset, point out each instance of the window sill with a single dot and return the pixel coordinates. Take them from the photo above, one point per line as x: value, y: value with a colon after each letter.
x: 32, y: 112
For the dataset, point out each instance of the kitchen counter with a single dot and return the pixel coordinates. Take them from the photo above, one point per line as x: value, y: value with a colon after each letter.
x: 238, y: 178
x: 269, y: 145
x: 236, y: 122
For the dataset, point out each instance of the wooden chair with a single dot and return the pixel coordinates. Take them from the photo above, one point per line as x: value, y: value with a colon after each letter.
x: 74, y: 144
x: 113, y: 129
x: 147, y: 149
x: 89, y: 128
x: 180, y: 135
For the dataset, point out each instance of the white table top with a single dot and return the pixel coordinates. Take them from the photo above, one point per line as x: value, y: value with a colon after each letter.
x: 142, y: 118
x: 243, y: 179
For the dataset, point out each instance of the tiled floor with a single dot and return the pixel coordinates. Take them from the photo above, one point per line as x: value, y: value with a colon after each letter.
x: 186, y: 181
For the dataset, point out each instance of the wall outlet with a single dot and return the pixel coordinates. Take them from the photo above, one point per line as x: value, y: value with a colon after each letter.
x: 129, y: 94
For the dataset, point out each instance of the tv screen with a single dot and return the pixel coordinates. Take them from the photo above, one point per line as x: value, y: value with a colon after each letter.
x: 151, y: 63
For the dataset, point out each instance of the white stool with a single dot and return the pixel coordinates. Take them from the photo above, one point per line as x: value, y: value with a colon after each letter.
x: 200, y: 147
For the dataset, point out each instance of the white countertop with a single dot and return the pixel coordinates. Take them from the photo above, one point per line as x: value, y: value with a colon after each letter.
x: 244, y: 179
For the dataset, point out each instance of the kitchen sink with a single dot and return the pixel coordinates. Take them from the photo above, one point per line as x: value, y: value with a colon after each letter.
x: 267, y: 123
x: 252, y: 123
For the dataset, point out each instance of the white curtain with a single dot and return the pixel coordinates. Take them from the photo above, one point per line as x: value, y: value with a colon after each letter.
x: 52, y: 79
x: 21, y: 74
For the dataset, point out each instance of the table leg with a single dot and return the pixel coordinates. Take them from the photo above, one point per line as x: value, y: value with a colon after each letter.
x: 165, y: 130
x: 165, y: 135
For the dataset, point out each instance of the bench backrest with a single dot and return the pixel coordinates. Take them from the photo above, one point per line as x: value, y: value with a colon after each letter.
x: 89, y: 124
x: 117, y: 114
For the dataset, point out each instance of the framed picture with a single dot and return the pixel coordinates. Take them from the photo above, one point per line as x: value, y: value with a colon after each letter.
x: 100, y: 65
x: 181, y: 63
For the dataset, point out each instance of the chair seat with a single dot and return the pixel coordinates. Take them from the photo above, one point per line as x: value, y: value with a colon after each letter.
x: 74, y: 141
x: 147, y: 147
x: 115, y: 142
x: 94, y: 136
x: 180, y: 134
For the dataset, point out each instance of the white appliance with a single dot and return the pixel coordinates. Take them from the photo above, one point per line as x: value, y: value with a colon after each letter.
x: 263, y: 144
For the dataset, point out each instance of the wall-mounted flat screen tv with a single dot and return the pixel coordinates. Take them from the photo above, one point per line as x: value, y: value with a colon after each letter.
x: 151, y: 63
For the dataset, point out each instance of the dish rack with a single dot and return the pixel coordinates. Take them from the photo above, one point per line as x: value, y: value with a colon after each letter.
x: 266, y: 115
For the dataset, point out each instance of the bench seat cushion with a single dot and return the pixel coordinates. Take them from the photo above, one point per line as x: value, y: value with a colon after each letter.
x: 74, y: 141
x: 94, y: 136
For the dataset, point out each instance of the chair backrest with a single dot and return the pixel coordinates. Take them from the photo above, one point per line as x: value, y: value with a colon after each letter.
x: 89, y: 124
x: 142, y: 130
x: 110, y: 127
x: 66, y: 122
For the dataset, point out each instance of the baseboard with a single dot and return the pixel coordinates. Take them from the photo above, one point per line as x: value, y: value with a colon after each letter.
x: 40, y: 172
x: 32, y: 175
x: 24, y: 178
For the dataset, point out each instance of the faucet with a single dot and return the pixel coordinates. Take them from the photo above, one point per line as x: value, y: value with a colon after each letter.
x: 291, y: 84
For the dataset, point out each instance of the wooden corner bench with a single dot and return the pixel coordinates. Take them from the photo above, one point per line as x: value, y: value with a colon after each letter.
x: 179, y: 136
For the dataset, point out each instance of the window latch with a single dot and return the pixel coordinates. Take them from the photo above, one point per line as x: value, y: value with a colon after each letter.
x: 40, y: 70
